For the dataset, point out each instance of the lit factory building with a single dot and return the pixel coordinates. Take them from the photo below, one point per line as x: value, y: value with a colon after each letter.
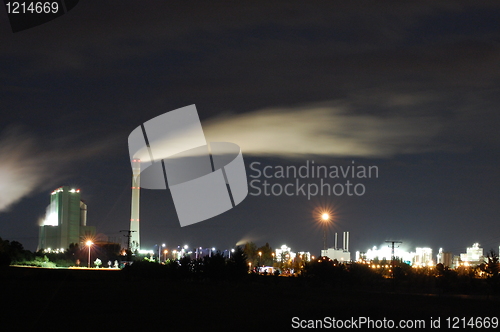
x: 473, y: 256
x: 285, y: 253
x: 341, y: 255
x: 445, y: 258
x: 421, y: 256
x: 65, y: 221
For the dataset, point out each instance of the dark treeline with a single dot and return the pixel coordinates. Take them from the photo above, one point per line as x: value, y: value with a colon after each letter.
x: 217, y: 267
x: 13, y: 253
x: 483, y: 279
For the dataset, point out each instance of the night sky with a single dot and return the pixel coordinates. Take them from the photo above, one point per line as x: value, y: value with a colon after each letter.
x: 412, y: 88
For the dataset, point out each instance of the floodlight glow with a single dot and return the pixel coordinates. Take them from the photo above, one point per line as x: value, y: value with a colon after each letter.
x: 52, y: 218
x: 89, y: 243
x: 325, y: 216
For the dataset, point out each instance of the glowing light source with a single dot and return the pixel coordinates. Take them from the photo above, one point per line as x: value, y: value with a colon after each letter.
x: 89, y: 244
x: 325, y: 216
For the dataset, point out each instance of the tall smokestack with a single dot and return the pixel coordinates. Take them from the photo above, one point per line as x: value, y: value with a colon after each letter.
x: 343, y: 241
x: 347, y: 243
x: 335, y: 242
x: 134, y: 208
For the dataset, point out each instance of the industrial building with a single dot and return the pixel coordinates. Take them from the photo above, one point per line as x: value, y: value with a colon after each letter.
x: 341, y: 255
x: 445, y: 258
x: 473, y: 256
x: 423, y: 257
x: 286, y: 253
x: 65, y: 221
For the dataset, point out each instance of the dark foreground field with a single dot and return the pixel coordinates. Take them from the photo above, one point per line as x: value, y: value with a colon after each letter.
x: 36, y: 299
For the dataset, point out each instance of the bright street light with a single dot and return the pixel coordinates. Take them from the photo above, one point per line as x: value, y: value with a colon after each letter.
x: 89, y: 244
x: 162, y: 246
x: 326, y: 217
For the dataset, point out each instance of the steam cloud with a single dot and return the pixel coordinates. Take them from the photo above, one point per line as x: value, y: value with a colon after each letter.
x: 20, y: 170
x: 26, y: 164
x: 324, y: 130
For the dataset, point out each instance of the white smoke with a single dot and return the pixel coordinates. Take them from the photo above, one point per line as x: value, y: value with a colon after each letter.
x: 20, y: 168
x: 27, y: 163
x: 323, y: 130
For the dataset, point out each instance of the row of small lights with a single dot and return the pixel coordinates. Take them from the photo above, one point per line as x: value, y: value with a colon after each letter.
x: 175, y: 251
x: 58, y: 190
x: 56, y: 251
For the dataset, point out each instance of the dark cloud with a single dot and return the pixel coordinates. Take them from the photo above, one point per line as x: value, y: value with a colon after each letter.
x: 412, y: 86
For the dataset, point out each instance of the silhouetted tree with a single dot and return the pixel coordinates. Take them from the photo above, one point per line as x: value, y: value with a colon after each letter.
x: 214, y: 266
x: 492, y: 266
x: 4, y: 253
x: 267, y: 255
x: 492, y: 269
x: 237, y: 265
x: 250, y: 250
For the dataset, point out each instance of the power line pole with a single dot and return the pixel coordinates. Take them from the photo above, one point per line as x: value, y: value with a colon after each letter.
x: 392, y: 253
x: 129, y: 236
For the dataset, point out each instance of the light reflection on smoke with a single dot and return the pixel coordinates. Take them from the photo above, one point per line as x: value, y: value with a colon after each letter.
x: 323, y: 130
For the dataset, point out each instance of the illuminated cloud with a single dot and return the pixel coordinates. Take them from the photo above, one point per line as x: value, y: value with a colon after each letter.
x: 322, y: 129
